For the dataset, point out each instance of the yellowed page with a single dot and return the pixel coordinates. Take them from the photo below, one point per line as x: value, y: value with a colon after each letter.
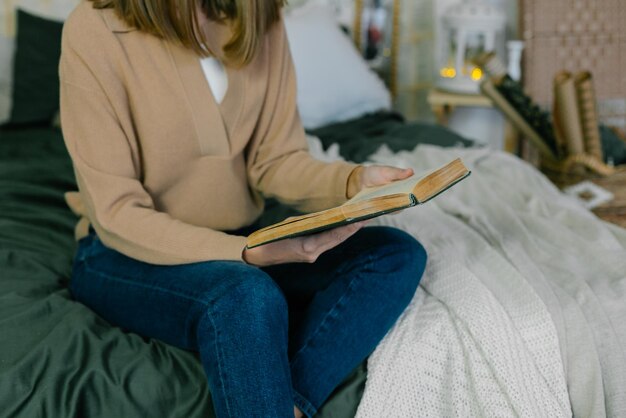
x: 397, y: 187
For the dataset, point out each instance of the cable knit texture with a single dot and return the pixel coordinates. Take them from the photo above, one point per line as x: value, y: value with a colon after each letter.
x: 520, y: 312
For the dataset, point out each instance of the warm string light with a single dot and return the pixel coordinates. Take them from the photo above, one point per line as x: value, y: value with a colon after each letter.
x: 470, y: 27
x: 476, y: 74
x: 448, y: 72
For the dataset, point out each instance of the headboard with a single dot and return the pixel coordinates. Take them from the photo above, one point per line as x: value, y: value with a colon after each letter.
x: 556, y: 40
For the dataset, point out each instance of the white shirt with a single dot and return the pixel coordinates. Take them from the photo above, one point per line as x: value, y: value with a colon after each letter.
x: 216, y: 76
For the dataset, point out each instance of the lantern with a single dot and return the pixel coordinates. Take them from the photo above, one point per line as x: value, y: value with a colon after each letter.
x: 469, y: 29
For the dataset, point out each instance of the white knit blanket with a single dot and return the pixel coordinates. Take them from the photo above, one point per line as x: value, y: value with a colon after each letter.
x: 521, y: 311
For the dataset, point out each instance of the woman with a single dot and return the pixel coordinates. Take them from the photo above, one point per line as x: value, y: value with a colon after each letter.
x: 172, y: 163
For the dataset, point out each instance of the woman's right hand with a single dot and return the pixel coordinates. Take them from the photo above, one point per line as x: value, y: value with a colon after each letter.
x: 299, y: 250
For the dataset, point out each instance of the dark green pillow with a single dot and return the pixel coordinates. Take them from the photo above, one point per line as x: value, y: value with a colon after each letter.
x: 36, y: 69
x: 613, y: 147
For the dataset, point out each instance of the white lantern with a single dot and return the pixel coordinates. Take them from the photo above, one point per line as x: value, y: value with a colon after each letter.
x: 469, y: 29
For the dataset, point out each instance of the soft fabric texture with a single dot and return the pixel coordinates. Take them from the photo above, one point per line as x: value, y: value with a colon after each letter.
x: 613, y: 147
x: 162, y: 169
x: 56, y: 10
x: 216, y: 77
x: 35, y: 92
x: 521, y: 310
x: 100, y: 371
x: 334, y: 82
x: 60, y: 359
x: 358, y: 139
x: 244, y: 320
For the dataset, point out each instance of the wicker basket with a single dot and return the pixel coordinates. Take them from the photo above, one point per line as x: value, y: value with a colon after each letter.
x: 577, y: 168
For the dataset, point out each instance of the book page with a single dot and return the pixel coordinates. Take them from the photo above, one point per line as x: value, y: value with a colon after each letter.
x: 424, y: 186
x: 397, y: 187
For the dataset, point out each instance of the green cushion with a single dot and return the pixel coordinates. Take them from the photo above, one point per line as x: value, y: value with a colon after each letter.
x: 35, y: 69
x: 613, y: 147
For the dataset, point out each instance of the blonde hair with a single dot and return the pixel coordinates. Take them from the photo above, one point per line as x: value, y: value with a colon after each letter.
x: 176, y: 20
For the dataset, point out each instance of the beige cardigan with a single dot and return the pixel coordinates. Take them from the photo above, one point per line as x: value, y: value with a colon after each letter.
x: 161, y: 167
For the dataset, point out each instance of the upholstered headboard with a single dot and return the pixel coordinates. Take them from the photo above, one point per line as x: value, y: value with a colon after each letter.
x: 586, y: 38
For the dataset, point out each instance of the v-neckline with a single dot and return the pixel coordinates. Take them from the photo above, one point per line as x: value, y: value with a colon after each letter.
x: 214, y: 122
x: 217, y: 77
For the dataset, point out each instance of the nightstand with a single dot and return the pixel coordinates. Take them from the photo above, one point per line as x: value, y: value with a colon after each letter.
x: 443, y: 104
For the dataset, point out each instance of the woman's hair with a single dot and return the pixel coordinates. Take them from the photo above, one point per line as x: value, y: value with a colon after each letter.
x: 176, y: 20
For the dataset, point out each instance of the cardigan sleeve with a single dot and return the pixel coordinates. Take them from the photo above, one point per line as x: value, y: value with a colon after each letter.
x: 107, y: 168
x: 279, y: 164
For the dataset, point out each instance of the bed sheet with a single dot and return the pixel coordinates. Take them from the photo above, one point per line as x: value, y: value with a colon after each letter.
x: 521, y: 310
x: 57, y: 358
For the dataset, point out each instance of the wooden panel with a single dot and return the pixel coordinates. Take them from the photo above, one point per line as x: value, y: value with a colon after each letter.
x: 574, y: 35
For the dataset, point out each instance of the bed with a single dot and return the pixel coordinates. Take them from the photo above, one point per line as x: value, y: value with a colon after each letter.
x: 521, y: 311
x: 57, y: 358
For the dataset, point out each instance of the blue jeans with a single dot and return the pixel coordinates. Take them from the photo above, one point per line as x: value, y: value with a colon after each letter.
x: 268, y: 338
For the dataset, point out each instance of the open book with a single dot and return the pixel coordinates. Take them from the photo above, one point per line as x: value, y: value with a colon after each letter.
x: 369, y: 203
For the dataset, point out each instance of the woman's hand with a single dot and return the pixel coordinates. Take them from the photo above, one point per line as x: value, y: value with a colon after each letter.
x: 375, y: 175
x: 299, y: 250
x: 308, y: 249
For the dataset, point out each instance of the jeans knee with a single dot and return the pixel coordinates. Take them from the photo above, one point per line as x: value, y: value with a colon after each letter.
x: 261, y: 294
x: 415, y: 254
x: 404, y: 259
x: 255, y: 303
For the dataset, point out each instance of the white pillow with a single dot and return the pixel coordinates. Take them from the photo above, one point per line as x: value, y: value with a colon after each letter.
x: 342, y: 10
x: 48, y: 9
x: 334, y: 82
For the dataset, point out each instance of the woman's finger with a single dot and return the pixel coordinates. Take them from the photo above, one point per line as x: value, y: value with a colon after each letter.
x: 333, y: 237
x: 383, y: 174
x: 394, y: 174
x: 324, y: 241
x: 340, y: 236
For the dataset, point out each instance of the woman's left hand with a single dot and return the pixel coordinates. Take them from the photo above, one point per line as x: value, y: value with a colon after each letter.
x: 375, y: 175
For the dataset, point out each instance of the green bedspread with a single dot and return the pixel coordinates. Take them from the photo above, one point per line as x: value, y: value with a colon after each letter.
x: 360, y: 138
x: 57, y: 358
